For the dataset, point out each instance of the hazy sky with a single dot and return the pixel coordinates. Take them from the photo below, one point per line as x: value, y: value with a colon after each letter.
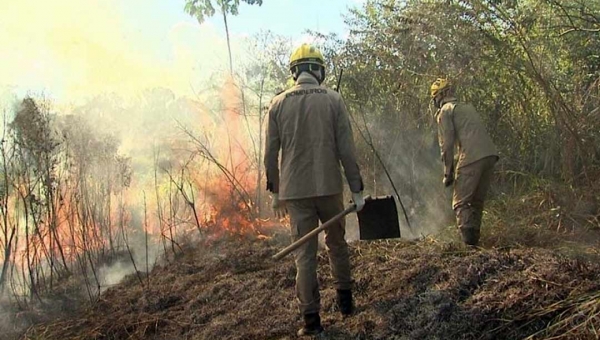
x: 73, y: 49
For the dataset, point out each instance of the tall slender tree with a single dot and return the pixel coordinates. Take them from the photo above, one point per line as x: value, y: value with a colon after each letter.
x: 201, y: 9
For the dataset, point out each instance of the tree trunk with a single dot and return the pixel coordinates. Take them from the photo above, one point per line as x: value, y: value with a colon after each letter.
x: 260, y: 146
x: 7, y: 259
x: 228, y: 42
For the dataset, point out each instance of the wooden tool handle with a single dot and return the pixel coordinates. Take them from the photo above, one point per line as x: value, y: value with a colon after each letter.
x: 313, y: 233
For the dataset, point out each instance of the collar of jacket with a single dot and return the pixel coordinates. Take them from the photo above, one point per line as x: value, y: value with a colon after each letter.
x: 447, y: 100
x: 306, y: 78
x: 444, y: 101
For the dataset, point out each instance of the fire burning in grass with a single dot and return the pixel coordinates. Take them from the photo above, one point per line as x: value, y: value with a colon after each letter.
x: 85, y: 212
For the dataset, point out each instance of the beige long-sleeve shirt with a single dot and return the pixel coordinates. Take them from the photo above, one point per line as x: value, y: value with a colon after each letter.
x: 460, y: 124
x: 309, y: 123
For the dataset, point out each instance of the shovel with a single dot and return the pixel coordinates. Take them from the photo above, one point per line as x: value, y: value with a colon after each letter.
x: 377, y: 220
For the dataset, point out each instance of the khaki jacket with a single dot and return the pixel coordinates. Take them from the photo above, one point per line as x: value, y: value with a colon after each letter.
x: 460, y: 124
x: 310, y: 125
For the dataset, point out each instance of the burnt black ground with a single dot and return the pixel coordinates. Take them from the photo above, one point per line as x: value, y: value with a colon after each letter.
x: 231, y: 289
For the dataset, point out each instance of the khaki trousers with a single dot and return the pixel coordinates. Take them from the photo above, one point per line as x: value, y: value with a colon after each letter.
x: 305, y: 215
x: 470, y: 188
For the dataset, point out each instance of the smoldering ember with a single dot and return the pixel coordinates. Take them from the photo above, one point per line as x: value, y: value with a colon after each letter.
x: 256, y: 169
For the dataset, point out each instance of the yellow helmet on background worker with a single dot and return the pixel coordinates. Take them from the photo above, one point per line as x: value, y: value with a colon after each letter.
x: 307, y: 58
x: 440, y: 85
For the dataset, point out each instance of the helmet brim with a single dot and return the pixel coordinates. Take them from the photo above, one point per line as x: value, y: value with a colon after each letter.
x: 316, y: 61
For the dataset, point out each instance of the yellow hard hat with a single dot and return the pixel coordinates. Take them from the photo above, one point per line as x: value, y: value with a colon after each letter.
x: 306, y: 54
x: 439, y: 85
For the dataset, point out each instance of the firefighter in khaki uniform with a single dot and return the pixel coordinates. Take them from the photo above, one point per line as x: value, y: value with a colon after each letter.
x: 460, y: 124
x: 310, y: 125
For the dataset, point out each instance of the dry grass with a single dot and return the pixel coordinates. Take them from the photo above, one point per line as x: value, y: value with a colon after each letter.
x: 544, y: 215
x: 404, y: 290
x: 535, y: 277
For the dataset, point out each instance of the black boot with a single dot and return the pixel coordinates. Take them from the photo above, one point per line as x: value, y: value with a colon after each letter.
x: 344, y: 301
x: 312, y: 325
x: 470, y: 236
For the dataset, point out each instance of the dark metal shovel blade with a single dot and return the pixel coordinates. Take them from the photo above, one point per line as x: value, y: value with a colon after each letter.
x: 379, y: 219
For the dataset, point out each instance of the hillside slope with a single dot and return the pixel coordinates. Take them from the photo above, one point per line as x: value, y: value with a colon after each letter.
x: 232, y: 289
